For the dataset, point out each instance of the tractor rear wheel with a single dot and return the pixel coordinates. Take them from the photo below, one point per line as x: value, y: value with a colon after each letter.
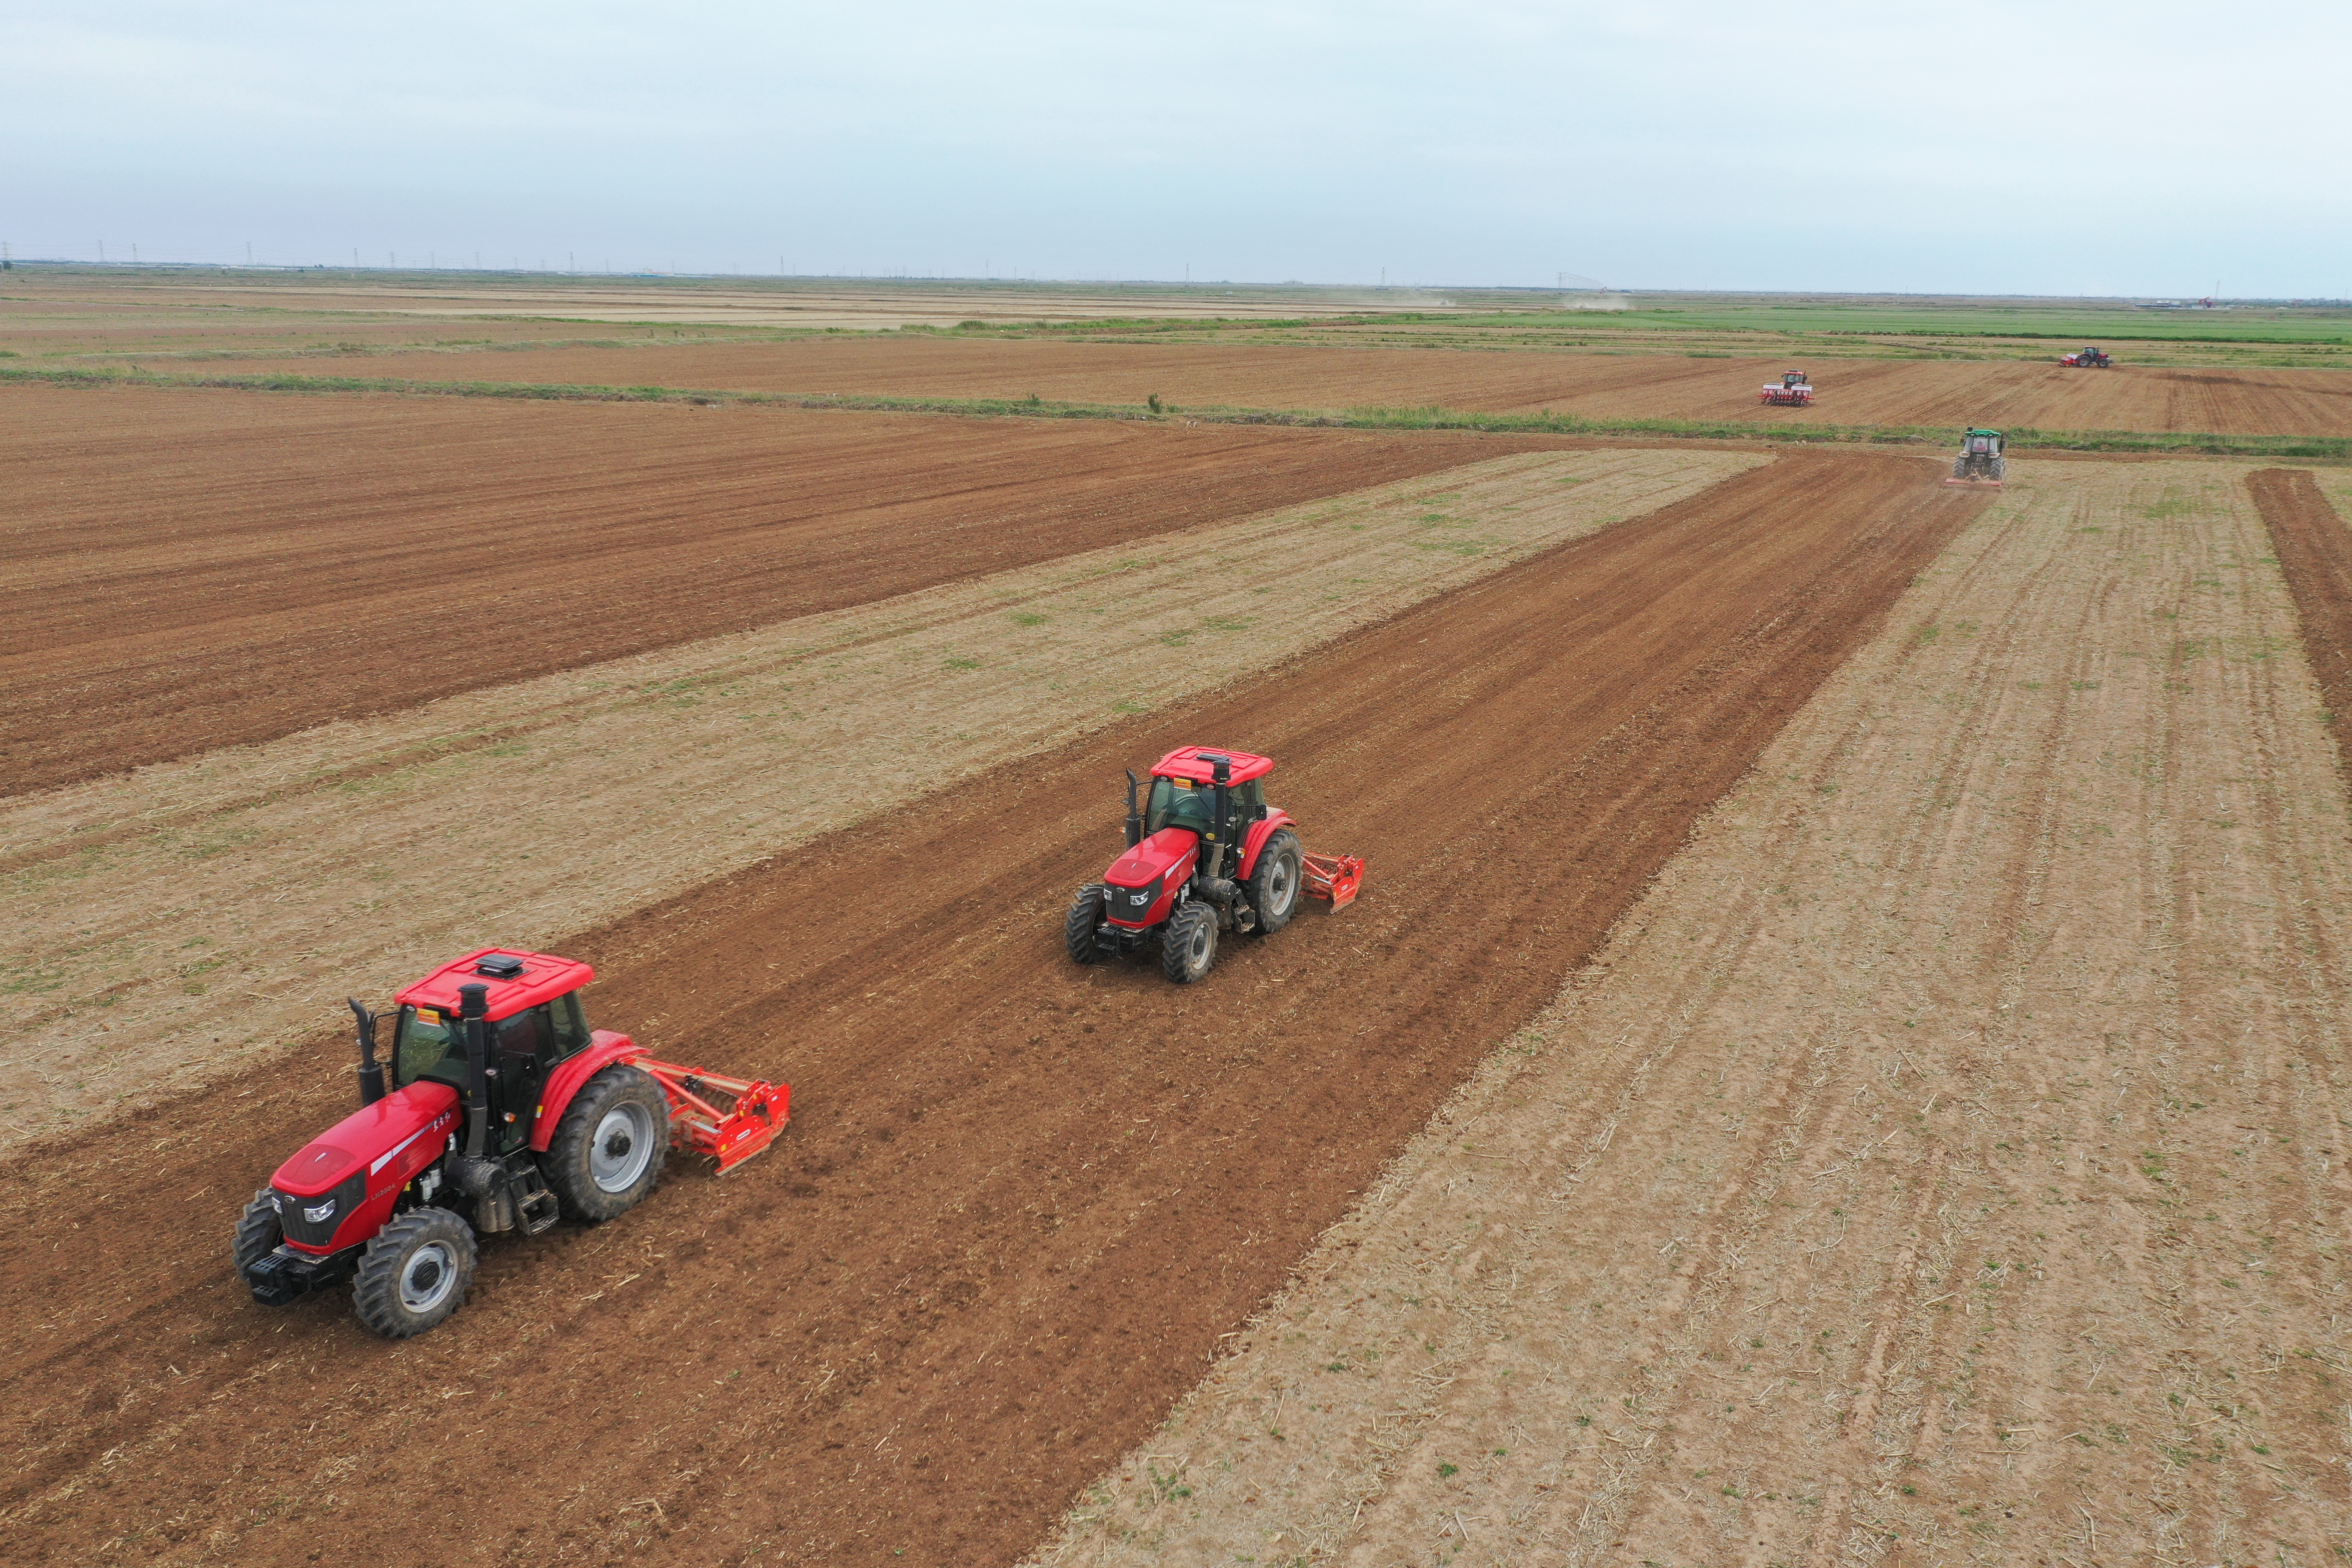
x: 1273, y: 882
x: 1085, y: 920
x: 415, y: 1273
x: 607, y: 1152
x: 1188, y: 943
x: 258, y: 1233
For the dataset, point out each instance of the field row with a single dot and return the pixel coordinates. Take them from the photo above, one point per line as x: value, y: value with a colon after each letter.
x: 1943, y: 1163
x: 1022, y: 1202
x: 1645, y: 386
x: 358, y: 853
x: 269, y: 564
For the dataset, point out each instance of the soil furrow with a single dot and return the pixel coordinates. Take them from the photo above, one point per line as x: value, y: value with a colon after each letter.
x: 184, y: 571
x: 1022, y: 1202
x: 2025, y: 937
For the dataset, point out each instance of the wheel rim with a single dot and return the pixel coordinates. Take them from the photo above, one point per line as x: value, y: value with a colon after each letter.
x: 427, y: 1277
x: 1282, y: 885
x: 623, y: 1144
x: 1196, y: 951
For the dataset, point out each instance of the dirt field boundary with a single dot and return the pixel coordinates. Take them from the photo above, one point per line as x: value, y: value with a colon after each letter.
x: 2326, y: 448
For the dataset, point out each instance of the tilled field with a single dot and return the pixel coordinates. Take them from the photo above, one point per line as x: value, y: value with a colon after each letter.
x: 1022, y: 1202
x: 1945, y: 1162
x: 2002, y: 394
x: 354, y: 856
x: 190, y: 570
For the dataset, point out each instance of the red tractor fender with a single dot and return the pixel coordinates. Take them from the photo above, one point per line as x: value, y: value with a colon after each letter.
x: 1254, y: 839
x: 605, y: 1048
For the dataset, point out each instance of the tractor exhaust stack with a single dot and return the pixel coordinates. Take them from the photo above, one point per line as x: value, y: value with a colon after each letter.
x: 473, y: 1002
x: 371, y: 1069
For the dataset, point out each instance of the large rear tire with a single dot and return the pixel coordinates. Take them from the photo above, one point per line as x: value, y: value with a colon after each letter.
x: 258, y: 1232
x: 1188, y: 943
x: 607, y: 1152
x: 415, y: 1273
x: 1080, y: 926
x: 1273, y: 882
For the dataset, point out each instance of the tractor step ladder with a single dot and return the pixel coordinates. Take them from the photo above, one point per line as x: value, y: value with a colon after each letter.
x: 729, y: 1118
x: 1336, y: 878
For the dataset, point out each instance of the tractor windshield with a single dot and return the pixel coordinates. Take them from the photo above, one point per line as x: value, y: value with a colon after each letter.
x: 422, y: 1039
x: 1178, y: 802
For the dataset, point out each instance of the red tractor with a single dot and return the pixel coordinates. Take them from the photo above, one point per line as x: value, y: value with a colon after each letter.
x: 506, y: 1112
x: 2089, y: 357
x: 1205, y: 854
x: 1791, y: 390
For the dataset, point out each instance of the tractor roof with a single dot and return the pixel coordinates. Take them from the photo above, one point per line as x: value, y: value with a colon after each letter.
x: 1187, y: 763
x: 1984, y: 432
x: 541, y: 977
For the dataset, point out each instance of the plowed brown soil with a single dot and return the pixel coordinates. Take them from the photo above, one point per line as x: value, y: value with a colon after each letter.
x: 189, y: 570
x: 1943, y: 1163
x: 2002, y: 394
x: 2315, y: 553
x: 1021, y: 1201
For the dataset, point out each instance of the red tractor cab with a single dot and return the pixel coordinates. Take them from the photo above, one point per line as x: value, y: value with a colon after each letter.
x: 505, y: 1111
x: 1205, y: 853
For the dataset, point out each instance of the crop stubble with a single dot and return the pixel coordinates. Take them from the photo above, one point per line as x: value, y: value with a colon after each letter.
x: 2005, y: 393
x: 1943, y: 1163
x: 188, y: 570
x: 1021, y: 1201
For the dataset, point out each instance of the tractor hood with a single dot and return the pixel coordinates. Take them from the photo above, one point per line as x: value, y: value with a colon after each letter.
x: 1159, y: 856
x: 413, y: 1120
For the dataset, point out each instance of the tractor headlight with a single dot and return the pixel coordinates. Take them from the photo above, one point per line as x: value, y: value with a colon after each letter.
x: 324, y: 1213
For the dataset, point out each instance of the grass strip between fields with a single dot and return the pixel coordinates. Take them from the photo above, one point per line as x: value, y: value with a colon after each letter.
x: 2324, y: 448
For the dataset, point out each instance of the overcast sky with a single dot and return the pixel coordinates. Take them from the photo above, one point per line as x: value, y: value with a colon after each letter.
x: 2049, y: 148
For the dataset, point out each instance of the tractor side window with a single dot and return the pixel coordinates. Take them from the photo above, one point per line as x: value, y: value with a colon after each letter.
x: 419, y: 1042
x: 570, y: 1022
x: 519, y: 1035
x: 1249, y: 801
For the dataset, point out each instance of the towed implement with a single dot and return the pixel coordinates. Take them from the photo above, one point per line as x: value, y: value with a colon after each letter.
x: 1205, y: 854
x: 1791, y: 390
x: 1979, y: 466
x: 504, y: 1113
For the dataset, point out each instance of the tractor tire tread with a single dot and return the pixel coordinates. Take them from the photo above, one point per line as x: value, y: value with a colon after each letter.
x: 375, y: 1287
x: 258, y: 1232
x: 1176, y: 942
x: 1280, y: 842
x: 1079, y: 926
x: 565, y: 1163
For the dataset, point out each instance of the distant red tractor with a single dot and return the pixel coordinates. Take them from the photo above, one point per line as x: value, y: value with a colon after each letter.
x: 1791, y: 390
x: 506, y: 1112
x: 2090, y: 356
x: 1205, y: 854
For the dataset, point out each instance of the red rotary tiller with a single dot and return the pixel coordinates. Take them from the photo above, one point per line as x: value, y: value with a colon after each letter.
x: 506, y: 1112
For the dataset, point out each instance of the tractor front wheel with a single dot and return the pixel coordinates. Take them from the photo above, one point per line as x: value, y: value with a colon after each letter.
x: 1273, y: 882
x: 1080, y: 926
x: 607, y: 1152
x: 1188, y: 943
x: 415, y: 1273
x: 258, y: 1233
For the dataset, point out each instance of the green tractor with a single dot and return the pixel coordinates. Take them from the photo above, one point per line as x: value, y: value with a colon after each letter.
x: 1980, y: 465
